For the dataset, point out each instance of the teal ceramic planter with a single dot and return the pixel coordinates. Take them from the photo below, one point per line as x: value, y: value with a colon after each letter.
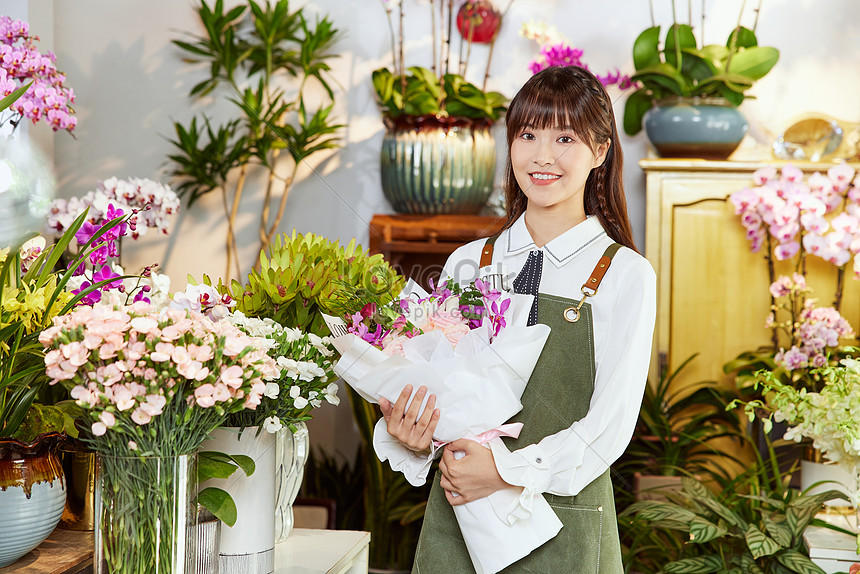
x: 32, y: 495
x: 695, y: 128
x: 436, y: 165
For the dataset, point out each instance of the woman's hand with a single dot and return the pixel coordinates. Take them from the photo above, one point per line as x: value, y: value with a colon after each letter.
x: 404, y: 424
x: 472, y: 477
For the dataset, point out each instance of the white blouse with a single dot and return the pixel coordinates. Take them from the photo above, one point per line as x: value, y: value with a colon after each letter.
x: 623, y: 312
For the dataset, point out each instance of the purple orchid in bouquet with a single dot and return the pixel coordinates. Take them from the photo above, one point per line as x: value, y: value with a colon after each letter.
x: 21, y: 64
x: 555, y: 50
x: 449, y: 308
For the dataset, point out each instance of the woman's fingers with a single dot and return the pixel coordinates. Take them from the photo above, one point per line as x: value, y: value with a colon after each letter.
x: 411, y: 417
x: 400, y: 404
x: 386, y: 408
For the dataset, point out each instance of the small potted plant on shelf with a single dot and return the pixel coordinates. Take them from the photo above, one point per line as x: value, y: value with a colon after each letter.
x: 682, y: 80
x: 437, y: 112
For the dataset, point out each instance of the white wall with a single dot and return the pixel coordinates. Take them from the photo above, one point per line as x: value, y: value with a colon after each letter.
x: 130, y: 85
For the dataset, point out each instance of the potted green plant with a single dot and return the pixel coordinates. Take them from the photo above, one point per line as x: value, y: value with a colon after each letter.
x: 684, y: 80
x: 432, y: 113
x: 674, y: 435
x: 32, y: 294
x: 752, y: 523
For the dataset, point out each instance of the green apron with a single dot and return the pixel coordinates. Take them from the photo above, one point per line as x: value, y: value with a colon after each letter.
x: 557, y: 395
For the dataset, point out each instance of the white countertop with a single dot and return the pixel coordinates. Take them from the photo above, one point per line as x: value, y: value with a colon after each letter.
x: 323, y: 552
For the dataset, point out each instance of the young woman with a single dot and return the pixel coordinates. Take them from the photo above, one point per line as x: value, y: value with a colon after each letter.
x: 567, y: 238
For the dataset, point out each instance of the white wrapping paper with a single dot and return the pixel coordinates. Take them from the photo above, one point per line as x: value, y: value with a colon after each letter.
x: 478, y: 386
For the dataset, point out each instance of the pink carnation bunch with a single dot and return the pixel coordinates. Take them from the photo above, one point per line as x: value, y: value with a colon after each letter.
x: 820, y: 215
x: 159, y: 380
x: 21, y: 63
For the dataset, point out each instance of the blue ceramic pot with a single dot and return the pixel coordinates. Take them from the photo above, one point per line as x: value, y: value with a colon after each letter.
x: 32, y: 495
x: 437, y: 165
x: 707, y: 128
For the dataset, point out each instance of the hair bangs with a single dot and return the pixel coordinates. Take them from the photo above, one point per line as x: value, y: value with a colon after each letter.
x: 549, y: 102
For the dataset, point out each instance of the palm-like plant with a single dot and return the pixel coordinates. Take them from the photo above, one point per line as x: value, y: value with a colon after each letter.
x: 252, y: 52
x: 675, y: 428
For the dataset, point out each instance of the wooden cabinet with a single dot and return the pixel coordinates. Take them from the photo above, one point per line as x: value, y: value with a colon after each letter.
x: 712, y: 291
x: 418, y: 245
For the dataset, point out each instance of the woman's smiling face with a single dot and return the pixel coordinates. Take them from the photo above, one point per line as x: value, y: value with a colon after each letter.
x: 551, y: 166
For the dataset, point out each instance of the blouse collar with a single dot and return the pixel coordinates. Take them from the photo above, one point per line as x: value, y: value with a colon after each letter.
x: 560, y: 250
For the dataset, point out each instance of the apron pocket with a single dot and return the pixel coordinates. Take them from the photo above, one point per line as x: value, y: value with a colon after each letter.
x: 576, y: 548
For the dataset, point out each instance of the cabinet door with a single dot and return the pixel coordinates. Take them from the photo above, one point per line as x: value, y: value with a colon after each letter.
x: 713, y: 294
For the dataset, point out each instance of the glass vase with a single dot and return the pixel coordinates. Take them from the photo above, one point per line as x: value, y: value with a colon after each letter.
x: 293, y: 448
x: 146, y: 517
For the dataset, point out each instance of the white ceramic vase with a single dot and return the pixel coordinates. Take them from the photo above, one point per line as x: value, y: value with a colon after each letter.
x: 249, y: 546
x: 293, y: 450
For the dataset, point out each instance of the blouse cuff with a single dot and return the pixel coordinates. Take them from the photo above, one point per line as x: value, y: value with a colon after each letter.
x: 414, y: 466
x: 527, y: 468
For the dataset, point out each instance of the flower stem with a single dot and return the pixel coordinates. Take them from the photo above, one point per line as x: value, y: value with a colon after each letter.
x: 840, y: 284
x: 400, y: 44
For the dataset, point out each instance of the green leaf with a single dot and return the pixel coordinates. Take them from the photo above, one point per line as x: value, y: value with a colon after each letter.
x: 678, y: 37
x: 702, y: 530
x: 697, y: 565
x: 745, y: 38
x: 10, y: 99
x: 797, y: 562
x: 220, y: 503
x: 754, y: 63
x: 646, y: 52
x: 759, y: 543
x: 779, y: 531
x: 635, y: 107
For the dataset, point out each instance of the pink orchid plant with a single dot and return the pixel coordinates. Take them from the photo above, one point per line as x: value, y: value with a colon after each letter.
x: 793, y: 217
x: 450, y: 308
x: 150, y: 381
x: 21, y: 64
x: 814, y: 332
x: 150, y: 204
x: 789, y: 217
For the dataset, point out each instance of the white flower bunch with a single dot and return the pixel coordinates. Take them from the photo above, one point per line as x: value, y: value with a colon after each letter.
x: 830, y: 416
x: 153, y: 201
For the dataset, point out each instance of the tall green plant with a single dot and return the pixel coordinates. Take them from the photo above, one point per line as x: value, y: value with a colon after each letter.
x: 394, y: 509
x: 676, y: 428
x: 264, y: 58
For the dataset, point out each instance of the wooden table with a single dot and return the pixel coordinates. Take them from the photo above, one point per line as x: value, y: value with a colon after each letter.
x: 323, y: 552
x: 63, y: 552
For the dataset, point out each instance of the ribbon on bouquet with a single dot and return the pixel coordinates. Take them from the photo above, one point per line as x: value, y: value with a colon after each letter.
x: 511, y: 430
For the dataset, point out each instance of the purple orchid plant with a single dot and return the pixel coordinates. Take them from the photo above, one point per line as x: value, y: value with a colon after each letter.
x: 102, y: 239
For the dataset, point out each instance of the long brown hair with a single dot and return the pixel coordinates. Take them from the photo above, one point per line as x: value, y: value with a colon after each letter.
x: 572, y: 97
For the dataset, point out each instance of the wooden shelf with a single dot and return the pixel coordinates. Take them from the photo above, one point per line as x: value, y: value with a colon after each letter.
x: 418, y: 245
x: 63, y: 552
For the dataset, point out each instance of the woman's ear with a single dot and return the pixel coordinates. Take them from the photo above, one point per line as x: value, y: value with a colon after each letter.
x: 600, y: 153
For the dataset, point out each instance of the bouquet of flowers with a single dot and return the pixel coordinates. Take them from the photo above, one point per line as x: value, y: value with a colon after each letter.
x: 153, y: 384
x: 471, y: 348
